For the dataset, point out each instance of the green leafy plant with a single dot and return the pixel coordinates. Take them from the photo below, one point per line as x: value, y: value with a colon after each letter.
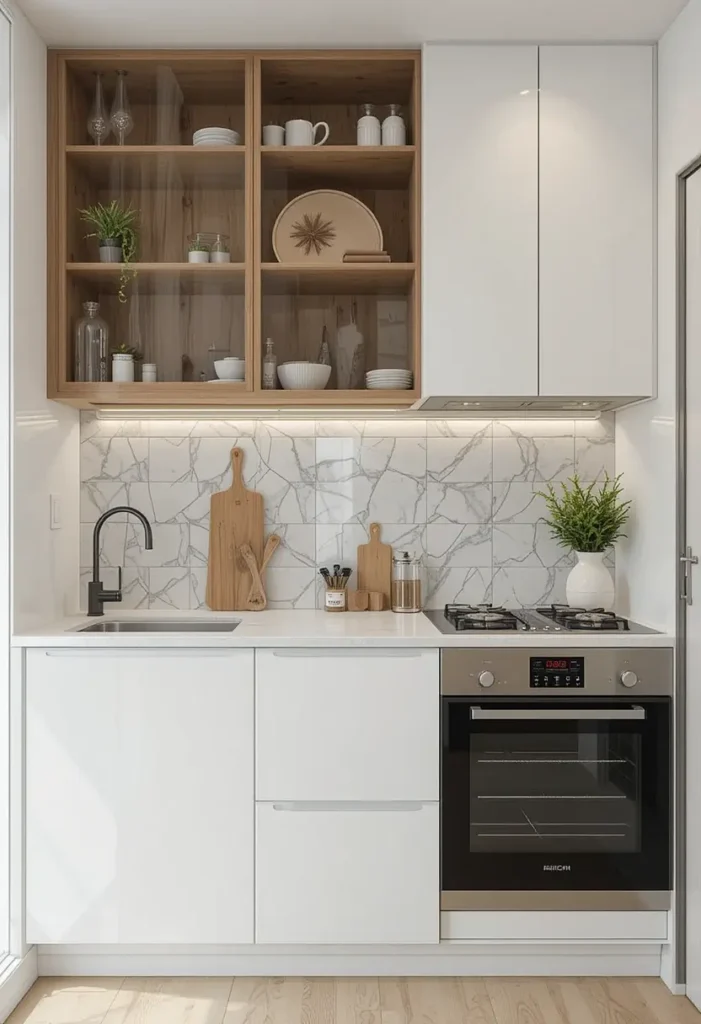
x: 198, y: 247
x: 119, y: 223
x: 586, y: 519
x: 128, y: 350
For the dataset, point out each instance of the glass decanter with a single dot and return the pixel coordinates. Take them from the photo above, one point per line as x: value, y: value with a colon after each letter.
x: 121, y: 120
x: 91, y: 345
x: 98, y: 125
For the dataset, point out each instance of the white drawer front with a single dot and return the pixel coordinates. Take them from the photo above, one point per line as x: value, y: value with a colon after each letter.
x: 347, y: 725
x: 326, y: 874
x: 555, y: 925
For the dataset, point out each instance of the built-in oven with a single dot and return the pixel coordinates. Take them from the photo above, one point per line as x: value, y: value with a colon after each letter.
x: 556, y: 779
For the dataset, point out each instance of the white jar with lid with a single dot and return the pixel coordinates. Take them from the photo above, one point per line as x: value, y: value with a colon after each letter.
x: 149, y: 373
x: 369, y: 128
x: 393, y: 127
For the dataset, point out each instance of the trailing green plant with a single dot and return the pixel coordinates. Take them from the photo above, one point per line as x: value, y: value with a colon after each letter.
x: 128, y: 350
x: 119, y: 223
x: 585, y: 519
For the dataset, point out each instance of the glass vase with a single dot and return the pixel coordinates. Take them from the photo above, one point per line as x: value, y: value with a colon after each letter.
x: 98, y: 125
x: 121, y: 120
x: 91, y: 345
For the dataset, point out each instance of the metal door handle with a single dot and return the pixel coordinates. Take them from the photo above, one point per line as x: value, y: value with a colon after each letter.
x: 559, y: 714
x: 688, y: 560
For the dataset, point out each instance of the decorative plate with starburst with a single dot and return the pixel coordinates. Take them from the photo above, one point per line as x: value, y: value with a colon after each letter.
x: 318, y: 227
x: 313, y: 232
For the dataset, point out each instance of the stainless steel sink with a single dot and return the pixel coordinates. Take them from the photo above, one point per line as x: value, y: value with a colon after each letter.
x: 159, y: 626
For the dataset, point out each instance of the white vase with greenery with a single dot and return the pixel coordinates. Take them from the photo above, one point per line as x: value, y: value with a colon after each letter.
x: 588, y: 521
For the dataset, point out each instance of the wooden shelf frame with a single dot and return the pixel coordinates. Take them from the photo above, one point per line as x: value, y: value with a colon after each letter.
x: 265, y: 75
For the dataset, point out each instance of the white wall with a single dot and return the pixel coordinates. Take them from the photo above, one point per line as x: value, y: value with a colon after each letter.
x: 645, y: 436
x: 46, y: 435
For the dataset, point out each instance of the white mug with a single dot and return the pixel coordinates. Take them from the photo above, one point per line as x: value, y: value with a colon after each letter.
x: 303, y: 133
x: 273, y: 135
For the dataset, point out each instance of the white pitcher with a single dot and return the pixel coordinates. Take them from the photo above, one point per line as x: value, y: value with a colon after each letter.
x: 303, y: 133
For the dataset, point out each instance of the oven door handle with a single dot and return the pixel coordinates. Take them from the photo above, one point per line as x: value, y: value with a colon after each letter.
x: 559, y: 714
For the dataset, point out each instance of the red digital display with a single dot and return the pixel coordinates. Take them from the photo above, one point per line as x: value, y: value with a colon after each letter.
x: 552, y: 664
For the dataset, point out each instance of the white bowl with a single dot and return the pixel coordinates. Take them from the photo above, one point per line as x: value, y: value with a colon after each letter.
x: 304, y: 376
x: 230, y: 368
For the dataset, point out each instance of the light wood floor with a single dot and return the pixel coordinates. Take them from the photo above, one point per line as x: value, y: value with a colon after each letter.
x: 352, y: 1001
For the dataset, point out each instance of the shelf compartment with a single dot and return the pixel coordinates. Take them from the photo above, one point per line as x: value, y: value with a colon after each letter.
x: 338, y: 278
x: 160, y: 278
x: 371, y: 166
x: 171, y: 95
x: 147, y: 167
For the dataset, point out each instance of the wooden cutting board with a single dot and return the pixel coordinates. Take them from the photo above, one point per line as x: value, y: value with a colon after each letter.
x: 375, y: 565
x: 236, y: 518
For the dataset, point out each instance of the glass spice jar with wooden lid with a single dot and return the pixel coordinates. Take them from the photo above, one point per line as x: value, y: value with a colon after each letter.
x: 407, y: 573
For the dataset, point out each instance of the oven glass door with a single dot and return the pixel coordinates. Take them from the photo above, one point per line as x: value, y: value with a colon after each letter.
x: 569, y: 794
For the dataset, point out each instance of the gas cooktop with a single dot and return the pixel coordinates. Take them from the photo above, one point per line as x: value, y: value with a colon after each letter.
x: 556, y: 618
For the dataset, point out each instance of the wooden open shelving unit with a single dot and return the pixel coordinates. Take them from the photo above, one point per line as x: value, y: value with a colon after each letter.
x: 183, y: 316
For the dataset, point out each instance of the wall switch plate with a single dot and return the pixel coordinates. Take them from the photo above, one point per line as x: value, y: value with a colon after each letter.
x: 55, y: 512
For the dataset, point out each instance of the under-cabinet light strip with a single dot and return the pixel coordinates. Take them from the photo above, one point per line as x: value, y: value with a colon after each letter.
x: 278, y: 412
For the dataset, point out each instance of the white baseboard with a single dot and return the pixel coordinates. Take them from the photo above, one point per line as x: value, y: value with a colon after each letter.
x: 444, y: 960
x: 15, y: 981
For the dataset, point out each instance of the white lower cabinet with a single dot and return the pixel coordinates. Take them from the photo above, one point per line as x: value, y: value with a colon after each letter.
x: 139, y: 777
x: 347, y: 873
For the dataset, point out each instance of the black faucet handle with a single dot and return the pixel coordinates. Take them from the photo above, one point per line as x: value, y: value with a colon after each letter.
x: 119, y: 581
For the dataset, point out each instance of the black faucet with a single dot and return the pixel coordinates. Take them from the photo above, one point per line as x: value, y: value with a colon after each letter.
x: 96, y: 595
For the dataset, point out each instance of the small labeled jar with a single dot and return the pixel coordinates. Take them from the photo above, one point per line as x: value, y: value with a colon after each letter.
x: 335, y: 600
x: 407, y: 576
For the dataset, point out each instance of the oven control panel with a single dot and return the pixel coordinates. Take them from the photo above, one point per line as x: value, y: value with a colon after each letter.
x: 557, y: 673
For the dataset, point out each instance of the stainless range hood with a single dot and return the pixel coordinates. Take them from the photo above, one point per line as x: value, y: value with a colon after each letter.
x: 524, y: 406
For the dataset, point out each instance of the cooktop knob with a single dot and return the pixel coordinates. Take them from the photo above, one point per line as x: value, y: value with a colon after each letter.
x: 629, y: 678
x: 486, y: 679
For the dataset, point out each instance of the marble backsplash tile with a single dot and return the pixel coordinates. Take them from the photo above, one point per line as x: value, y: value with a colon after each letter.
x: 462, y: 493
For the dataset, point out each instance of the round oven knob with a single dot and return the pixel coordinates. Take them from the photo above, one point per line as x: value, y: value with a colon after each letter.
x: 486, y: 679
x: 629, y: 678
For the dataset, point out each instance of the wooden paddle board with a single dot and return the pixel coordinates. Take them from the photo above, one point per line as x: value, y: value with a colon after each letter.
x: 236, y: 518
x: 375, y: 565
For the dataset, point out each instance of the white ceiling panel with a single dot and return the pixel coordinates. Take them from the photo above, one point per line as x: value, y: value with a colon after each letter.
x: 313, y: 23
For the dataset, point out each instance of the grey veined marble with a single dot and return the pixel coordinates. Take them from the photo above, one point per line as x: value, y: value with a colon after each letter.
x: 462, y: 493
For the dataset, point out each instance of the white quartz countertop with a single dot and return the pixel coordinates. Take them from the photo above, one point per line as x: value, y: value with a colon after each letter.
x: 313, y: 629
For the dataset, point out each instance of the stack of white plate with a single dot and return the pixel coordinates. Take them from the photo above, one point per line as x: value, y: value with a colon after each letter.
x: 216, y: 137
x: 392, y: 380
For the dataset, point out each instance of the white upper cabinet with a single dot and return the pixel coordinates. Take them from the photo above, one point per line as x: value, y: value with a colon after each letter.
x: 480, y: 220
x: 139, y: 796
x: 596, y: 221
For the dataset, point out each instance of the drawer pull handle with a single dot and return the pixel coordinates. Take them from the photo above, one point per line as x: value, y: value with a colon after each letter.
x: 329, y: 806
x: 346, y: 652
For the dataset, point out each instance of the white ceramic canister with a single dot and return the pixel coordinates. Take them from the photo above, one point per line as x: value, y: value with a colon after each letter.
x: 273, y: 135
x: 122, y: 368
x: 149, y: 373
x: 393, y: 127
x: 369, y: 127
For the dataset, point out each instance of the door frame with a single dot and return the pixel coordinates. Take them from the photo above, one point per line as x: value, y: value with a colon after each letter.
x: 680, y: 725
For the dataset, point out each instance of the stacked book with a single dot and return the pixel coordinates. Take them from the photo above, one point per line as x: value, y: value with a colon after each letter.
x: 366, y: 256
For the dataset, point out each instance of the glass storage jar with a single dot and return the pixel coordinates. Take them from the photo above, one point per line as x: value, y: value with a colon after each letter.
x: 407, y: 587
x: 91, y: 345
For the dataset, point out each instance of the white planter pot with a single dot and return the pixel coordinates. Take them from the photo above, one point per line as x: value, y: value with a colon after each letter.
x: 122, y: 368
x: 590, y: 584
x: 111, y: 252
x: 197, y: 256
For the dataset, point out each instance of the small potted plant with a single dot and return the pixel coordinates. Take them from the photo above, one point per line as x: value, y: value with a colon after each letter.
x: 198, y: 249
x: 588, y: 521
x: 115, y: 231
x: 123, y: 359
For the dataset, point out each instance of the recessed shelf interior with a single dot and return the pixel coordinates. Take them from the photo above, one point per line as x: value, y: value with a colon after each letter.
x: 170, y: 98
